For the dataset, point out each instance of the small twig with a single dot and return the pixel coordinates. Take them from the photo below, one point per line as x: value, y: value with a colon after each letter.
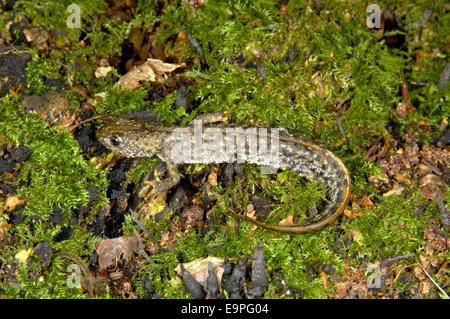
x: 145, y: 230
x: 210, y: 250
x: 418, y: 210
x: 194, y: 43
x: 292, y: 53
x: 440, y: 206
x: 15, y: 50
x: 261, y: 70
x: 142, y: 247
x: 445, y: 76
x: 390, y: 261
x: 342, y: 129
x: 432, y: 280
x: 223, y: 234
x: 71, y: 128
x: 233, y: 209
x: 141, y: 226
x: 10, y: 182
x: 318, y: 9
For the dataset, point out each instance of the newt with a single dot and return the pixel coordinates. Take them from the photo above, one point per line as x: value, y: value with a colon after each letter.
x: 219, y: 143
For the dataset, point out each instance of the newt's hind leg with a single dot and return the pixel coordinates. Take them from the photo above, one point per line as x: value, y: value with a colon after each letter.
x: 163, y: 186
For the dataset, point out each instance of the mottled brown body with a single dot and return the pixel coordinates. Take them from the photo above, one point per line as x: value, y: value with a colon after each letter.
x: 137, y: 138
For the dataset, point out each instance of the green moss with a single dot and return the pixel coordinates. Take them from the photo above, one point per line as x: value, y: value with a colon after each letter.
x: 57, y: 174
x: 392, y: 228
x: 120, y: 102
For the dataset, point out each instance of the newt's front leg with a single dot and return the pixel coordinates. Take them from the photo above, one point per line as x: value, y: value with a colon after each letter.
x: 173, y: 178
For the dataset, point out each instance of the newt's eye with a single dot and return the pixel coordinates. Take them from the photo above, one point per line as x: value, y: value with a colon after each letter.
x: 116, y: 140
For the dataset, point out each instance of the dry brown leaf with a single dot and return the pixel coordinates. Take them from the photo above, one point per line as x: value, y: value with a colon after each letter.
x: 428, y: 184
x: 397, y: 189
x: 192, y: 215
x: 341, y: 289
x: 366, y: 202
x: 377, y: 181
x: 355, y: 212
x: 212, y: 177
x: 403, y: 176
x: 112, y: 250
x: 348, y: 213
x: 324, y: 279
x: 424, y: 169
x: 370, y: 154
x: 199, y: 269
x: 38, y: 37
x: 432, y: 167
x: 152, y: 70
x: 103, y: 71
x: 288, y: 221
x: 12, y: 202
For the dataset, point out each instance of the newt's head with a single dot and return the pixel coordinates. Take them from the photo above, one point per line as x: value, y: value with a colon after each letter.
x: 131, y: 138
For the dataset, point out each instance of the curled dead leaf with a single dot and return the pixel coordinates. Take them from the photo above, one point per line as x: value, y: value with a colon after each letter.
x: 403, y: 176
x: 113, y: 250
x: 212, y: 177
x: 288, y: 221
x: 428, y: 186
x: 12, y: 202
x: 152, y: 70
x: 366, y: 202
x: 103, y: 71
x: 355, y: 212
x: 341, y: 289
x: 199, y: 270
x: 397, y: 189
x: 377, y: 181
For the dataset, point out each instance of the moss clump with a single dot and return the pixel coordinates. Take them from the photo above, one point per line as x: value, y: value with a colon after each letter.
x: 57, y: 174
x: 392, y: 228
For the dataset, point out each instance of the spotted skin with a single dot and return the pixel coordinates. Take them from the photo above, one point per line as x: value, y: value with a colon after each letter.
x: 138, y: 138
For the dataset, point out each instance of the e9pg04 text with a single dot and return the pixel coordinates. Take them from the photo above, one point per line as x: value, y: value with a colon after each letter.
x: 246, y: 308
